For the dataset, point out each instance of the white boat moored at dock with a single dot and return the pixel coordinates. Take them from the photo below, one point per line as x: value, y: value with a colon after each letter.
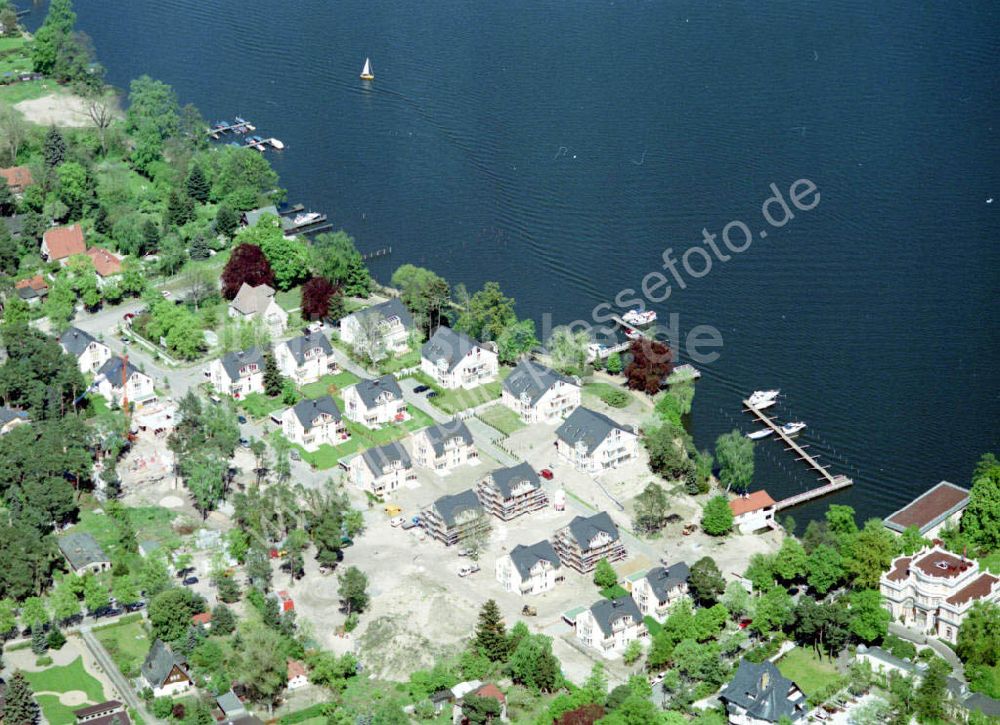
x: 639, y: 318
x: 790, y: 429
x: 758, y: 434
x: 763, y: 398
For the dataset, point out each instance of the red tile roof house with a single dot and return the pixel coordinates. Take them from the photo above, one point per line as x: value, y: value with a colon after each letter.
x: 487, y: 690
x: 61, y: 243
x: 32, y: 290
x: 18, y: 178
x: 753, y: 512
x: 296, y: 675
x: 204, y: 619
x: 931, y: 511
x: 105, y: 264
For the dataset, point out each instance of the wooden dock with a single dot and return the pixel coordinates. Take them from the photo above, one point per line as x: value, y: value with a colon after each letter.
x: 833, y: 482
x: 383, y: 252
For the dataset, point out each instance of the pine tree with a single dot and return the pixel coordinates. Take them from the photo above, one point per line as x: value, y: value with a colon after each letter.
x: 197, y: 185
x: 273, y: 382
x: 56, y: 638
x: 19, y: 706
x: 226, y: 221
x: 39, y: 642
x: 223, y: 620
x: 491, y: 634
x: 200, y: 248
x: 150, y: 236
x: 180, y: 209
x: 54, y: 149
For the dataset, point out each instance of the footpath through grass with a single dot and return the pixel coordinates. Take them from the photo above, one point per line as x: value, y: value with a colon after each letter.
x: 807, y: 670
x: 455, y: 401
x: 55, y: 680
x: 503, y: 419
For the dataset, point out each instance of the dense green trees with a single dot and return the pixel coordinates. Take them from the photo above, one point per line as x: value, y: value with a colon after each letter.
x: 353, y: 590
x: 491, y: 633
x: 605, y: 575
x: 19, y: 702
x: 424, y: 293
x: 717, y: 518
x: 38, y: 376
x: 335, y: 257
x: 981, y: 520
x: 979, y: 636
x: 651, y: 509
x: 170, y: 612
x: 734, y: 453
x: 706, y: 581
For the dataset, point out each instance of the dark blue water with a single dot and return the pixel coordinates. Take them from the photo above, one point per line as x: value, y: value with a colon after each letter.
x: 560, y: 147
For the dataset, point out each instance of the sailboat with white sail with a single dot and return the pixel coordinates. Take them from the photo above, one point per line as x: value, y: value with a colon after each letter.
x: 366, y: 72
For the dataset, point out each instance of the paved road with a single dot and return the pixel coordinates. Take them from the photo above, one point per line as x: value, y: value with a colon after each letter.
x: 125, y: 691
x: 946, y: 652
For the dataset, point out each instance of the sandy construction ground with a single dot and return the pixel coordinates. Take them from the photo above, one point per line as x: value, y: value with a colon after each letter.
x: 56, y: 109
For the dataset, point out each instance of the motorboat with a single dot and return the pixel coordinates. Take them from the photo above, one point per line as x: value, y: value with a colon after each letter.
x: 638, y: 318
x: 307, y: 218
x: 763, y: 398
x: 790, y: 429
x: 758, y: 434
x: 632, y: 334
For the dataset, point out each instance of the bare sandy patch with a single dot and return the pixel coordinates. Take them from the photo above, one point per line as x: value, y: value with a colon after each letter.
x: 73, y: 698
x: 56, y: 109
x: 171, y: 502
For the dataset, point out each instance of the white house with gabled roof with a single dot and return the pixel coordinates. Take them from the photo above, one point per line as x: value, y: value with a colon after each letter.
x: 390, y: 320
x: 306, y: 358
x: 455, y: 360
x: 314, y: 422
x: 89, y: 353
x: 445, y: 446
x: 593, y: 442
x: 375, y: 403
x: 238, y: 374
x: 539, y: 394
x: 382, y: 470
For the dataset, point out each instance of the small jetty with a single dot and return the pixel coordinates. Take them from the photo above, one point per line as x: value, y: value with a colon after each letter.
x: 297, y: 220
x: 832, y: 482
x: 683, y: 373
x: 383, y: 252
x: 237, y: 125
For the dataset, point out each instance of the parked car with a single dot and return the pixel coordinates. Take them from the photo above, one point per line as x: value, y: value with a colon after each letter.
x: 421, y: 388
x: 528, y: 611
x: 166, y: 294
x: 244, y: 443
x: 181, y: 573
x: 134, y: 607
x: 657, y: 678
x: 128, y: 316
x: 467, y: 569
x: 242, y: 419
x: 547, y: 474
x: 295, y: 455
x: 432, y: 394
x: 189, y: 581
x: 464, y: 551
x: 397, y: 521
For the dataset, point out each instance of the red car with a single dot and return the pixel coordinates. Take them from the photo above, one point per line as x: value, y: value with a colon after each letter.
x: 547, y: 474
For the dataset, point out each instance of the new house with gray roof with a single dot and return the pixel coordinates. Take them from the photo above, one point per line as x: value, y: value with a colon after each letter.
x: 375, y: 403
x: 511, y: 492
x: 610, y: 625
x: 11, y: 418
x: 306, y: 358
x: 445, y: 446
x: 314, y: 422
x: 118, y: 380
x: 455, y: 360
x: 379, y: 329
x: 529, y: 569
x: 83, y: 553
x: 539, y: 394
x: 89, y: 353
x: 760, y: 694
x: 238, y: 374
x: 382, y: 470
x: 593, y: 442
x: 661, y: 586
x: 587, y: 540
x: 164, y: 672
x: 454, y: 517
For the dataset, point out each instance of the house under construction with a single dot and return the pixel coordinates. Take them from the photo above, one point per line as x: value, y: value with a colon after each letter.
x: 454, y: 517
x: 587, y: 540
x: 510, y: 492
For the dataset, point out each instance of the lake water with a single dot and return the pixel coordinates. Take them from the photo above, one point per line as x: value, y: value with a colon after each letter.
x: 559, y: 147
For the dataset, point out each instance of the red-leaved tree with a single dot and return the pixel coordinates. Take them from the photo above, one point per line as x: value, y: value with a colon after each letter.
x: 247, y: 264
x: 321, y: 297
x: 586, y: 715
x: 651, y: 363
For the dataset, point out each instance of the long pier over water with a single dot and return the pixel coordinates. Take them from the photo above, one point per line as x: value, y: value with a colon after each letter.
x: 833, y: 482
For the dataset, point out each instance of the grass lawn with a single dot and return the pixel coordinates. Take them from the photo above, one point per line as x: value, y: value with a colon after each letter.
x: 503, y: 419
x: 63, y: 679
x: 611, y: 395
x: 151, y: 522
x: 804, y: 668
x: 12, y: 43
x: 258, y: 405
x: 409, y: 359
x: 127, y: 643
x: 289, y: 299
x: 613, y: 592
x: 454, y: 401
x: 363, y: 438
x: 991, y: 562
x: 652, y: 626
x: 329, y: 385
x: 17, y: 92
